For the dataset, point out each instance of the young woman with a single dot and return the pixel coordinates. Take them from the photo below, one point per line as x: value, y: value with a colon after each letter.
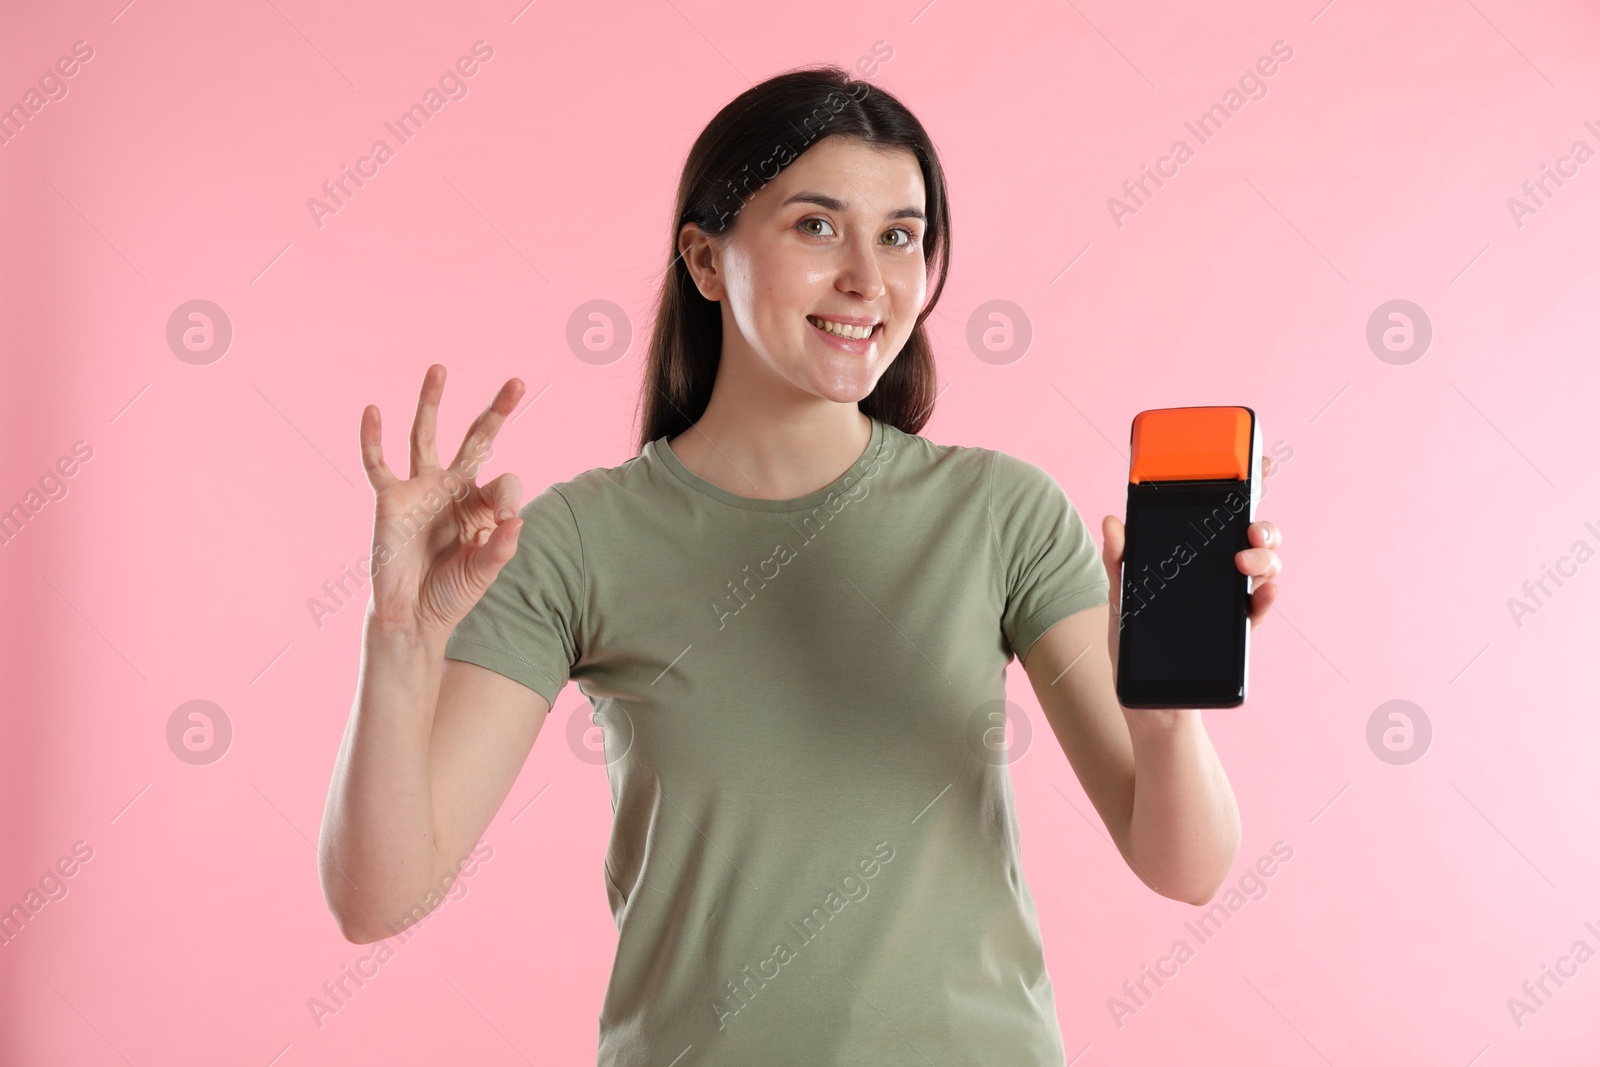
x: 792, y: 615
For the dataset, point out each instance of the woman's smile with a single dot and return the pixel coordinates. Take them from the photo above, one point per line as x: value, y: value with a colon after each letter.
x: 858, y: 339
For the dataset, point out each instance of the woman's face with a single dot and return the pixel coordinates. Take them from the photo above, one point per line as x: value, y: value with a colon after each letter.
x: 837, y: 235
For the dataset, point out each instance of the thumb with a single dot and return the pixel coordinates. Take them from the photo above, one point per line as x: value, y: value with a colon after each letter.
x: 483, y: 562
x: 502, y: 543
x: 504, y: 493
x: 1113, y: 538
x: 1112, y: 535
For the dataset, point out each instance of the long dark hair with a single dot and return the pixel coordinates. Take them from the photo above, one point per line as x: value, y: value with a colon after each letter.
x: 755, y: 136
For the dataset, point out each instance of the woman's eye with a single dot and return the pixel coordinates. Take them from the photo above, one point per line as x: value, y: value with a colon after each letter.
x: 908, y: 241
x: 911, y: 237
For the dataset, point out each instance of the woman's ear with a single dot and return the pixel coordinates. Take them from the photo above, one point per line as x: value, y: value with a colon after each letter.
x: 699, y: 252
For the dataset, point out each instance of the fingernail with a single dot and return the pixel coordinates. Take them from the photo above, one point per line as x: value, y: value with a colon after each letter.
x: 504, y: 513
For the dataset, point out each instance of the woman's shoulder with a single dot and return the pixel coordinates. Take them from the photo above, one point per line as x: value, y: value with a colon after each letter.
x: 1004, y: 478
x: 594, y: 483
x: 978, y: 465
x: 925, y: 452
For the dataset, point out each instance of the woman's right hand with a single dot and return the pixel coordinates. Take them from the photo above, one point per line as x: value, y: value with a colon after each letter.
x: 438, y: 538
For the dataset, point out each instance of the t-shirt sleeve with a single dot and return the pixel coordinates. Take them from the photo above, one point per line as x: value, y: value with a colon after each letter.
x: 1049, y: 562
x: 525, y: 624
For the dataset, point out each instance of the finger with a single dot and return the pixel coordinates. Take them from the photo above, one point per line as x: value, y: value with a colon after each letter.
x: 1112, y: 536
x: 378, y: 472
x: 504, y: 541
x: 1265, y: 535
x: 1260, y: 563
x: 1266, y: 466
x: 480, y: 435
x: 423, y: 455
x: 1261, y: 602
x: 486, y: 560
x: 505, y: 496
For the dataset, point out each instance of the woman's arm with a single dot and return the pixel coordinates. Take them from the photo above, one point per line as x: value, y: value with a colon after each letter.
x: 1152, y: 774
x: 430, y: 751
x: 431, y: 746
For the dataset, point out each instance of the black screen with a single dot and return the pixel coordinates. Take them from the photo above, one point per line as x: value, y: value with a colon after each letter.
x: 1180, y: 606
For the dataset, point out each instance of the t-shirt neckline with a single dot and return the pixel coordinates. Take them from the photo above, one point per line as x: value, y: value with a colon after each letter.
x: 869, y: 455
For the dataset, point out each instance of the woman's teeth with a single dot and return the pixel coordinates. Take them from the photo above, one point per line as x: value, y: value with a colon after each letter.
x: 855, y: 333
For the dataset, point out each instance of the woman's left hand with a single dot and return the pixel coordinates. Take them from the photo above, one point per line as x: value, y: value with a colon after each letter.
x: 1261, y: 562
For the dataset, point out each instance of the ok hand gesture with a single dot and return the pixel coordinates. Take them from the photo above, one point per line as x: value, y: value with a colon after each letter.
x: 438, y: 538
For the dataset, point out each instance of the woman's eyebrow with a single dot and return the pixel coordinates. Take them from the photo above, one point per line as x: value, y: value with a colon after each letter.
x: 833, y: 203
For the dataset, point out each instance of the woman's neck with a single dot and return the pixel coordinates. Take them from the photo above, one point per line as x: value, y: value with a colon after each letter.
x: 756, y: 452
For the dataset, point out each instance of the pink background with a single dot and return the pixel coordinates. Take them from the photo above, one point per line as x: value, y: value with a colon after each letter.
x: 1416, y: 499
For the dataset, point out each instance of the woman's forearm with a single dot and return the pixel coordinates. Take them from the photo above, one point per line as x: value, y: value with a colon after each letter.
x: 377, y: 852
x: 1184, y: 832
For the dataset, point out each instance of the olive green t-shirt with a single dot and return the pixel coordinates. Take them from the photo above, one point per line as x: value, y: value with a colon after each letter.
x: 814, y: 856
